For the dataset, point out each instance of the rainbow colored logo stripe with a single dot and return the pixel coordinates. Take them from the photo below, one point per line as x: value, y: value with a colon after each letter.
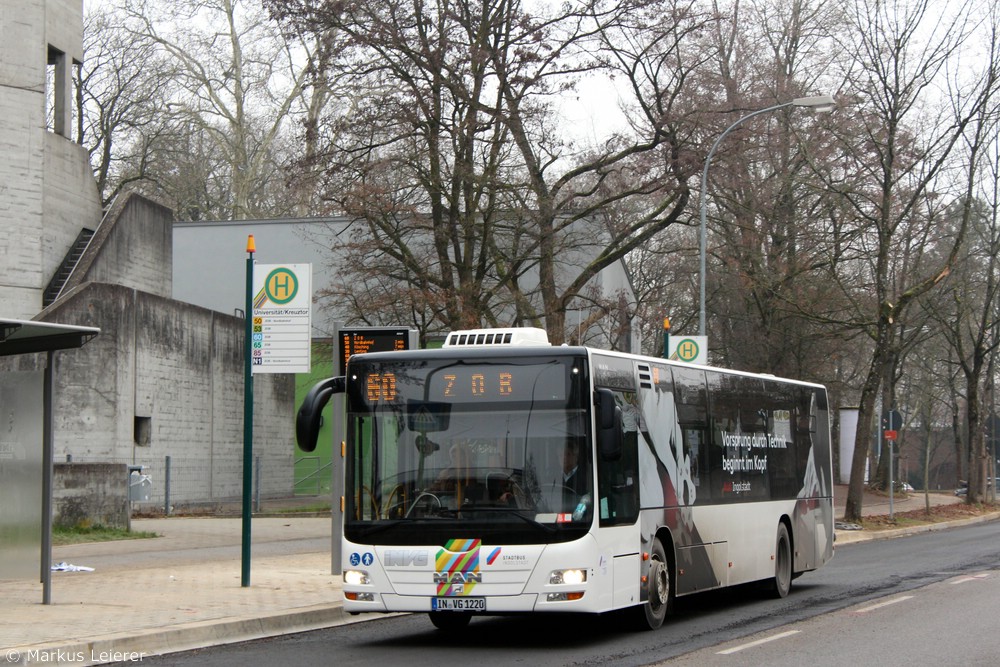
x: 457, y: 559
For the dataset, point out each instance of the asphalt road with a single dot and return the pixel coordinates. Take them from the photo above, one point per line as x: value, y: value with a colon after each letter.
x: 858, y: 573
x: 931, y: 625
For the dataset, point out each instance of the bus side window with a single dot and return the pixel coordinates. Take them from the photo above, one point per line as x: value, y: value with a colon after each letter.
x: 725, y: 419
x: 782, y: 434
x: 695, y: 452
x: 692, y: 414
x: 805, y: 429
x: 618, y: 481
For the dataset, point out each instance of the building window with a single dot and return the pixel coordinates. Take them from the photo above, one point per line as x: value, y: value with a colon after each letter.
x: 143, y: 431
x: 59, y: 108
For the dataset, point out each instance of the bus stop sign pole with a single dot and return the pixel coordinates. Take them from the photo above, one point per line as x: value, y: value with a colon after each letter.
x: 891, y: 420
x: 666, y: 337
x: 247, y: 417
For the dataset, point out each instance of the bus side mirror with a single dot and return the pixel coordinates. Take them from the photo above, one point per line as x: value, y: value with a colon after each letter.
x: 310, y: 416
x: 610, y: 438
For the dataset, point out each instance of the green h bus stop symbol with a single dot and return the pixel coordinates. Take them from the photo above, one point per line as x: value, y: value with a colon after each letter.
x: 687, y: 350
x: 281, y: 286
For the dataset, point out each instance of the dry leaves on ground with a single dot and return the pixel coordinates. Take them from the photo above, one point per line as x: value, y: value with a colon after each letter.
x: 937, y: 514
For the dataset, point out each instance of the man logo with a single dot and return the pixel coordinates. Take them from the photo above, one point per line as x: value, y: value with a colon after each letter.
x: 459, y: 578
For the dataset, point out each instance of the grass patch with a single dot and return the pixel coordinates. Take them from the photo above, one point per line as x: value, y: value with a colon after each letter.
x: 62, y: 535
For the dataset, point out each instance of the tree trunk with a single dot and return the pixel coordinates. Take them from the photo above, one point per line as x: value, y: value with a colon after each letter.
x: 862, y: 438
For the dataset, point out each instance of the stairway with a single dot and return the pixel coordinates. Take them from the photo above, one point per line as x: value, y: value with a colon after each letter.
x: 65, y: 269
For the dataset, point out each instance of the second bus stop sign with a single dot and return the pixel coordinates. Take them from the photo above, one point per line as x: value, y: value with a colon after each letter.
x: 891, y: 420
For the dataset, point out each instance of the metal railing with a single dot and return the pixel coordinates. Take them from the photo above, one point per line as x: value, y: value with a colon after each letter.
x: 313, y: 483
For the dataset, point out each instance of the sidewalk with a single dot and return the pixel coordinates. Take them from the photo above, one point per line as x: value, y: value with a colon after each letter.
x: 175, y: 592
x: 183, y: 590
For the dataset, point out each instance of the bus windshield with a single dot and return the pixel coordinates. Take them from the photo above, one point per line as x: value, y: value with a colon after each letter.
x: 443, y: 445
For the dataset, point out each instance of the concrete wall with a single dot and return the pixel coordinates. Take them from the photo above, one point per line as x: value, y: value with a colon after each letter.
x: 63, y: 24
x: 22, y: 122
x: 132, y: 247
x: 175, y: 372
x: 90, y: 494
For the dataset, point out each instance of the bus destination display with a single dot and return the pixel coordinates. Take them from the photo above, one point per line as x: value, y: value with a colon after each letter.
x: 470, y: 383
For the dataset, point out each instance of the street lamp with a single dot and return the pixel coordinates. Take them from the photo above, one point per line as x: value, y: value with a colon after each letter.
x: 818, y: 103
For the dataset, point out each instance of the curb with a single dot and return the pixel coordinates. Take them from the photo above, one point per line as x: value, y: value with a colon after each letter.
x: 845, y: 537
x: 132, y: 647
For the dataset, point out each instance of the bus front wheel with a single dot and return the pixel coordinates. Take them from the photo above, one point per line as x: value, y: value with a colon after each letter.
x: 659, y: 595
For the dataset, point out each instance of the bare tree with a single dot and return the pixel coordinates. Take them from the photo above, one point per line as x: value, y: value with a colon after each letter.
x: 644, y: 45
x: 968, y: 318
x: 968, y: 321
x: 124, y: 83
x: 926, y: 390
x: 897, y: 53
x: 239, y: 84
x: 771, y: 300
x: 453, y: 162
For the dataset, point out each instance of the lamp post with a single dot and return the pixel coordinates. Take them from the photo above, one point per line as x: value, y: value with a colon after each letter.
x: 818, y: 103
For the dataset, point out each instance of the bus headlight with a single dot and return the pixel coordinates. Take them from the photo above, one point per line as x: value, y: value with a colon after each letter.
x: 568, y: 577
x: 356, y: 578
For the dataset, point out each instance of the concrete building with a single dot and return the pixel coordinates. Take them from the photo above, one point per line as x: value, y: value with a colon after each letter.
x: 48, y: 196
x: 164, y: 378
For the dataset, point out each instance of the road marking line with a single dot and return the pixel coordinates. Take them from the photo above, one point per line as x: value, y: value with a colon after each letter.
x: 884, y: 604
x: 974, y: 577
x: 737, y: 649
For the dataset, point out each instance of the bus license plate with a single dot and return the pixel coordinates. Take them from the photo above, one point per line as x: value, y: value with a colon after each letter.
x: 458, y: 604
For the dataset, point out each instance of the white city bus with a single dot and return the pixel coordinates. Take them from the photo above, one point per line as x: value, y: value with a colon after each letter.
x: 460, y: 501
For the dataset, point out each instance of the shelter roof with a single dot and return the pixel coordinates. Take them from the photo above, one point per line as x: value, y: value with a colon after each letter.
x: 27, y: 336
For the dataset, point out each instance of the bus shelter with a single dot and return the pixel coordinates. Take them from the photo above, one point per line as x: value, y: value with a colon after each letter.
x: 24, y: 426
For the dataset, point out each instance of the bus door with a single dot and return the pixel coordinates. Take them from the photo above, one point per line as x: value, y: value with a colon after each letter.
x: 617, y: 512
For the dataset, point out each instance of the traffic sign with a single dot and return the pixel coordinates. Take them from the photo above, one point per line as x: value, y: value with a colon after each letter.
x: 690, y: 349
x: 890, y: 435
x: 891, y: 420
x: 282, y: 318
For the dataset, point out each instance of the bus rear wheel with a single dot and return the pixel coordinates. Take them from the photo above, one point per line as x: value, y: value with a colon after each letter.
x: 659, y: 595
x: 450, y: 620
x: 782, y: 582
